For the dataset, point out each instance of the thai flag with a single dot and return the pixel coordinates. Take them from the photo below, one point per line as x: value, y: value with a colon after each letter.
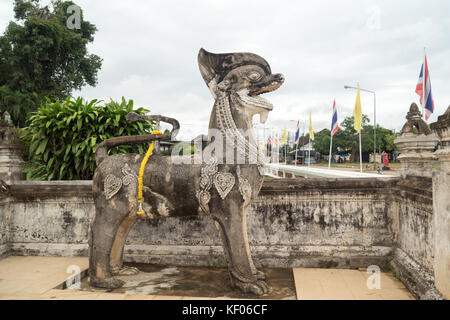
x: 334, y: 124
x: 297, y: 133
x: 423, y: 89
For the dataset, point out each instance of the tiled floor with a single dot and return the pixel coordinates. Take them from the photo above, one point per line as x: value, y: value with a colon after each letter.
x: 342, y: 284
x: 34, y: 278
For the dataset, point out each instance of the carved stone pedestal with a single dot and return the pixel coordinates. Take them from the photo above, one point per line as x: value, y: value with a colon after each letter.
x: 11, y: 148
x: 416, y: 144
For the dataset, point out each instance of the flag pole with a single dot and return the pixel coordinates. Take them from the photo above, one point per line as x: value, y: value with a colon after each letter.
x: 265, y: 141
x: 296, y: 146
x: 297, y: 142
x: 270, y: 146
x: 303, y: 135
x: 329, y: 157
x: 278, y: 147
x: 360, y: 153
x: 309, y: 152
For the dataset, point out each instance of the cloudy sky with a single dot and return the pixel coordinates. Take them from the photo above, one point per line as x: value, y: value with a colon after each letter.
x: 150, y: 54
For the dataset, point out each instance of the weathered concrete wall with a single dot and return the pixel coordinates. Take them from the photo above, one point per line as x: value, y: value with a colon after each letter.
x: 326, y: 223
x: 419, y: 281
x: 50, y: 218
x: 294, y: 222
x: 415, y: 235
x: 441, y: 205
x: 422, y: 259
x: 4, y: 228
x: 415, y: 225
x: 441, y: 187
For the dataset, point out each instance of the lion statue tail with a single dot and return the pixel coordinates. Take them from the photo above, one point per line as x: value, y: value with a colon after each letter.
x: 102, y: 150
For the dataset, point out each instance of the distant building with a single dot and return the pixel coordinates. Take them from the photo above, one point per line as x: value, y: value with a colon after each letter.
x: 165, y: 145
x: 307, y: 147
x: 304, y: 154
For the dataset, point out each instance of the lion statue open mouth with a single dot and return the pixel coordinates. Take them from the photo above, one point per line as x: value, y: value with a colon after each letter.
x: 215, y: 186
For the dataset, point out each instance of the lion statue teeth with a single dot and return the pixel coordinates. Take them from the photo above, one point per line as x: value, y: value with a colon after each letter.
x: 221, y: 182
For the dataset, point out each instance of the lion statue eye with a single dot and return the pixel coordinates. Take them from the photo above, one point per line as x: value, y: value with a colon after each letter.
x: 254, y: 76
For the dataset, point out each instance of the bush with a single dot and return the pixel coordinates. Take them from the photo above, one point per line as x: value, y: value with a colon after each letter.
x: 62, y: 136
x: 184, y: 149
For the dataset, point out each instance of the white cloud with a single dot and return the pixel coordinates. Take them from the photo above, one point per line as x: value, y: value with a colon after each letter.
x: 150, y: 54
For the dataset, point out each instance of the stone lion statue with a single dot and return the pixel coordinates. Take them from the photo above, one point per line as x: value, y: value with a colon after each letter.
x: 215, y: 183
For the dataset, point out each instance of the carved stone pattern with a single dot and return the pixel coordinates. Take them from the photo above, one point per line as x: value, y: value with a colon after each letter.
x: 228, y: 128
x: 126, y: 170
x: 130, y: 179
x: 112, y: 186
x: 262, y: 169
x: 205, y: 182
x: 253, y: 150
x: 245, y: 187
x: 208, y: 170
x: 203, y: 197
x: 224, y: 182
x: 210, y: 167
x: 414, y: 119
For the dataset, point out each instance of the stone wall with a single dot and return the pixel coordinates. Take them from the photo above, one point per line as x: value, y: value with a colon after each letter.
x: 441, y: 206
x: 415, y: 236
x: 337, y: 223
x: 50, y: 218
x: 422, y: 259
x: 314, y: 223
x: 415, y: 213
x: 441, y: 187
x: 4, y: 228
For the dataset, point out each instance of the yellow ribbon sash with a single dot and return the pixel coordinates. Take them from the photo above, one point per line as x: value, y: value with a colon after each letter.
x: 141, y: 174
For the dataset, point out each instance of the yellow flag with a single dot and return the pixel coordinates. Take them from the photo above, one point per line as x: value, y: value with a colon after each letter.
x: 311, y: 132
x: 263, y: 145
x: 284, y: 138
x: 357, y: 112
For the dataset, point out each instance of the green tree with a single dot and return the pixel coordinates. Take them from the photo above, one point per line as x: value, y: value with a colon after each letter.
x: 62, y: 136
x: 383, y: 142
x: 389, y: 142
x: 347, y: 139
x: 321, y: 142
x: 41, y: 57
